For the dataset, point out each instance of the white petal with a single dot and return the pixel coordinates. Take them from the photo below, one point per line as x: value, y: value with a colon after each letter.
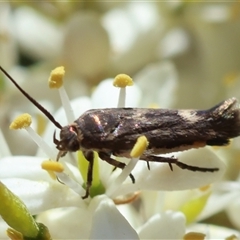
x: 108, y: 223
x: 214, y: 232
x: 132, y: 214
x: 8, y: 44
x: 130, y: 20
x: 3, y: 228
x: 215, y: 13
x: 23, y: 167
x: 67, y: 223
x: 154, y: 202
x: 168, y: 225
x: 4, y: 149
x: 175, y: 43
x: 31, y: 31
x: 106, y: 96
x: 86, y: 45
x: 41, y: 195
x: 218, y: 202
x: 121, y: 37
x: 233, y: 211
x: 159, y: 83
x: 160, y: 177
x: 180, y: 179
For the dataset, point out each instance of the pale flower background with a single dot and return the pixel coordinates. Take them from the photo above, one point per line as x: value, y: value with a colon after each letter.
x: 179, y: 54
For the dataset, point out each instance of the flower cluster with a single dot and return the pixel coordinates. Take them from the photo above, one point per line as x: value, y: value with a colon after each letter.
x: 180, y: 55
x: 61, y: 207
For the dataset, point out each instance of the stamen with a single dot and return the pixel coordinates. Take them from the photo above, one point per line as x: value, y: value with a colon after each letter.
x: 194, y: 235
x: 140, y: 147
x: 52, y: 166
x: 56, y: 81
x: 127, y: 200
x: 122, y: 98
x: 66, y: 105
x: 232, y: 237
x: 64, y: 178
x: 24, y: 121
x: 122, y: 81
x: 230, y: 79
x: 56, y: 77
x: 4, y: 149
x: 205, y: 188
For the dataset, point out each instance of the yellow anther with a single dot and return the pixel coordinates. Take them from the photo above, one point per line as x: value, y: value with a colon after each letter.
x: 139, y: 147
x: 230, y: 79
x: 56, y: 77
x: 122, y: 81
x: 194, y: 235
x: 52, y: 166
x: 22, y: 121
x: 205, y: 188
x: 153, y: 105
x: 232, y: 237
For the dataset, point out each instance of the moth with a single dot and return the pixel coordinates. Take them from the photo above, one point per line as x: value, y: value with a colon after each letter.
x: 114, y: 131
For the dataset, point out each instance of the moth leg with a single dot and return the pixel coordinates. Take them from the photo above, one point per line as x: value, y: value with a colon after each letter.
x: 106, y: 157
x: 170, y: 161
x: 89, y: 155
x: 148, y: 165
x: 170, y: 165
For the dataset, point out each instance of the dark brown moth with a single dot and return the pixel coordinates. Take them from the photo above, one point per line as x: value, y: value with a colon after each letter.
x: 114, y: 131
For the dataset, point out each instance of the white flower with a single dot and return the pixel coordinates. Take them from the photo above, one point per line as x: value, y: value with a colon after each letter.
x: 31, y: 29
x: 225, y: 197
x: 156, y: 226
x: 24, y: 177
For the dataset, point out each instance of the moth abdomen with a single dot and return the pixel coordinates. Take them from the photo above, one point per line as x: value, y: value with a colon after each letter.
x: 225, y: 122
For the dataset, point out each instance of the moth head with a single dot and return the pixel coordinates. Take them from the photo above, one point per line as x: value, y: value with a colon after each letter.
x: 69, y: 139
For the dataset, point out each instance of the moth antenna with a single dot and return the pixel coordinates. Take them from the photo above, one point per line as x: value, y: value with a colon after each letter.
x: 33, y: 101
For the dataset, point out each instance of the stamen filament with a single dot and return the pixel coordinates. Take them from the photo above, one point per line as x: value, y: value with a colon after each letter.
x: 122, y: 81
x: 41, y: 143
x: 66, y: 105
x: 4, y: 149
x: 24, y: 121
x: 56, y: 81
x: 138, y: 149
x: 64, y: 178
x: 122, y: 98
x: 112, y: 191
